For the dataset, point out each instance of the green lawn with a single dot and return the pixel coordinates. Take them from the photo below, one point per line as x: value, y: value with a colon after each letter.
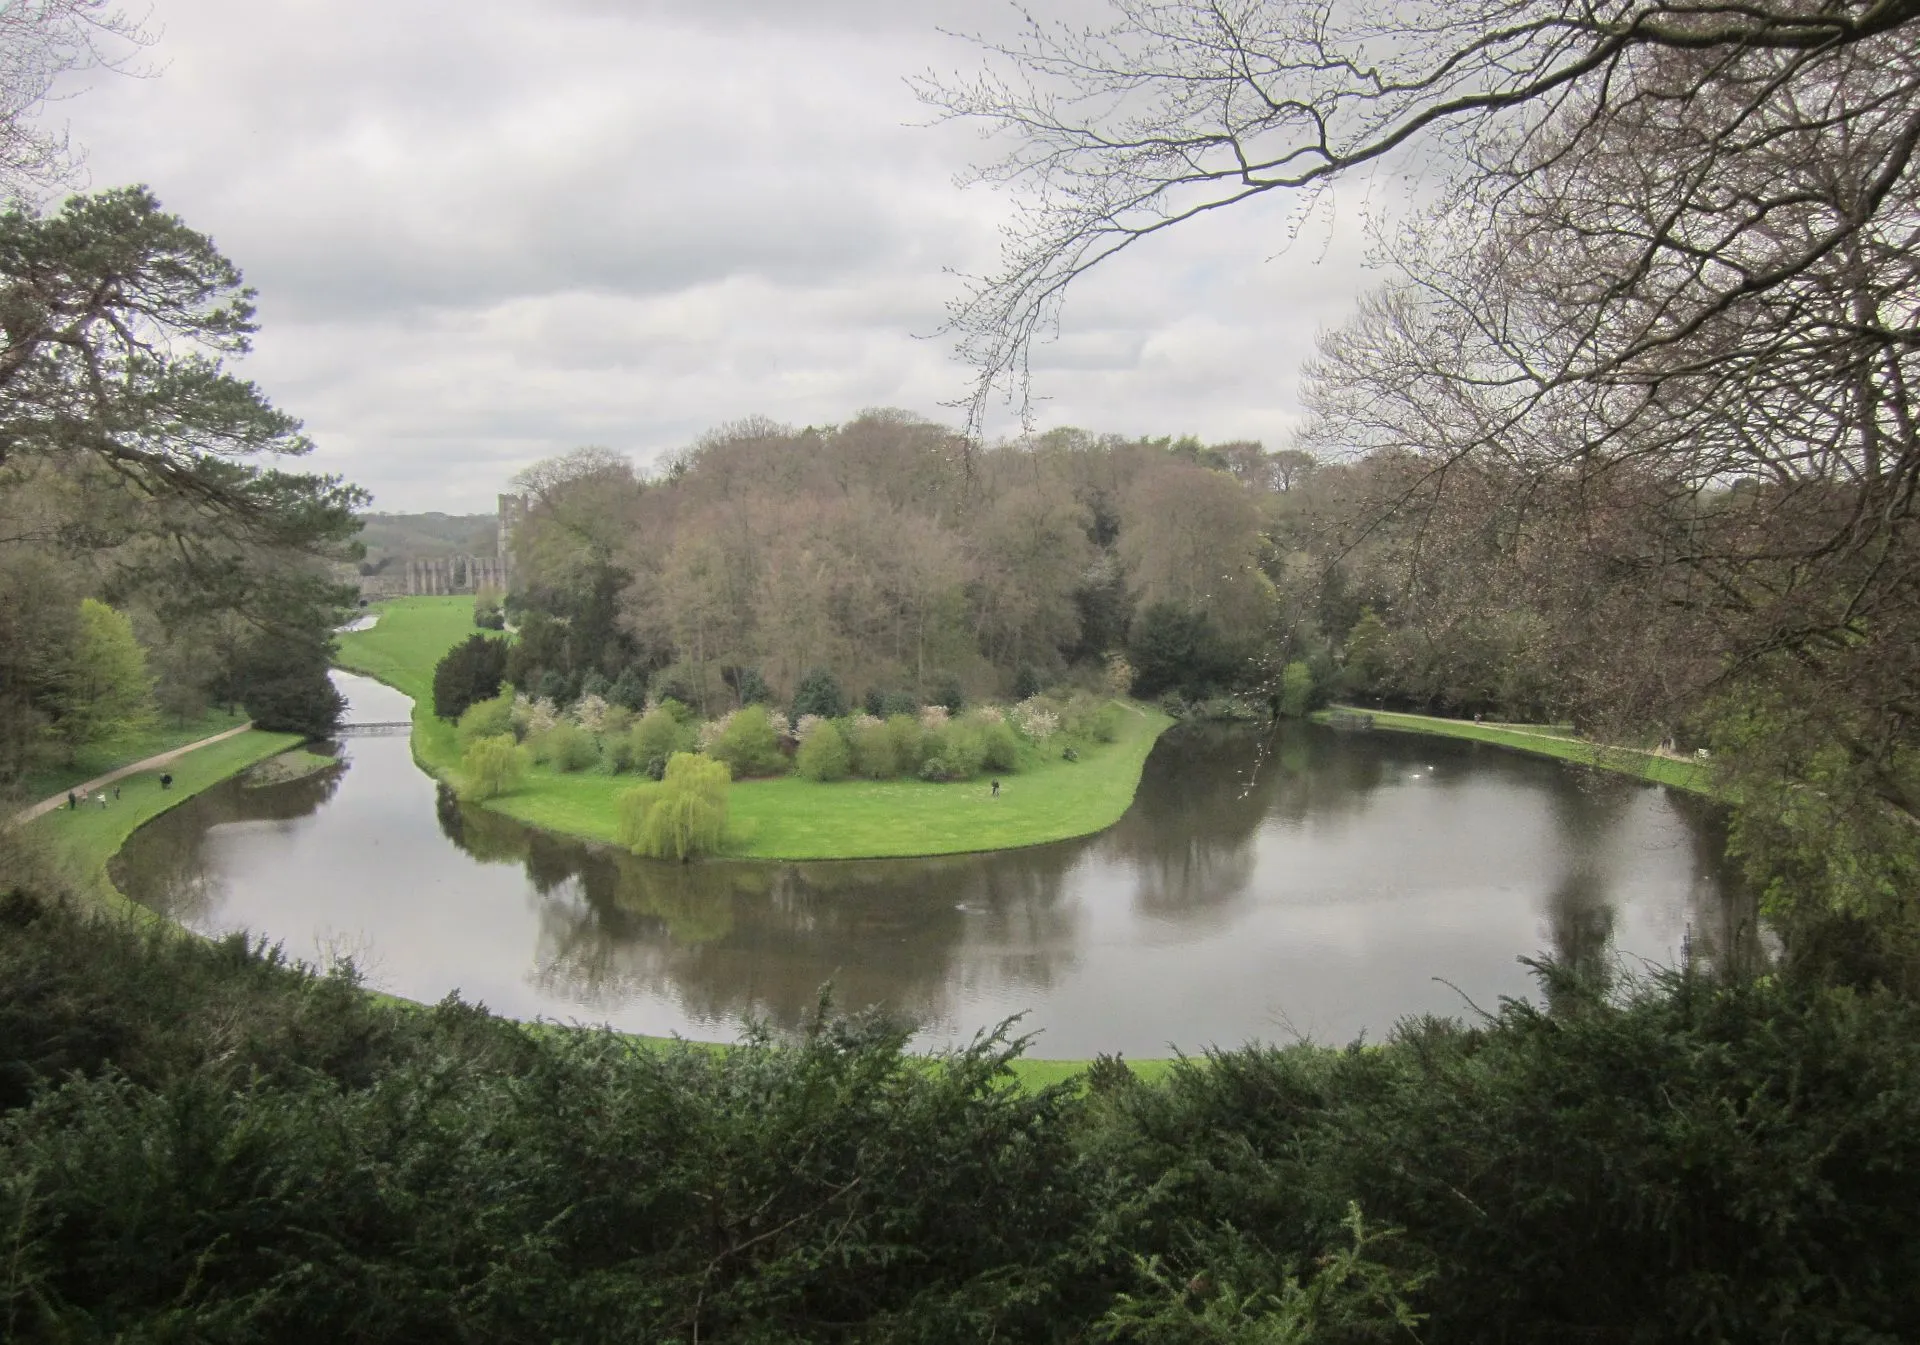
x: 95, y: 761
x: 85, y: 838
x: 1043, y: 1073
x: 791, y: 818
x: 787, y: 818
x: 408, y: 640
x: 1549, y: 740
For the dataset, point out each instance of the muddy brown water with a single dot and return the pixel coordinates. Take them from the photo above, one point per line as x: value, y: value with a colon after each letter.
x: 1270, y: 886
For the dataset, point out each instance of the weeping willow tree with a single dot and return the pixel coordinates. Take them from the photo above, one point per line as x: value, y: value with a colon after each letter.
x: 491, y: 767
x: 684, y: 815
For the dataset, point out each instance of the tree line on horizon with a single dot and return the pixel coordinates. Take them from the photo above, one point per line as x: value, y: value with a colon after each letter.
x: 889, y: 554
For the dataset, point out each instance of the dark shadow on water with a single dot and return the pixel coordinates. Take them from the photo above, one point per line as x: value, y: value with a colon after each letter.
x: 165, y: 865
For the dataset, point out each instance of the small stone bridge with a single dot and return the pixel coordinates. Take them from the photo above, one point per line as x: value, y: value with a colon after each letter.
x: 386, y: 728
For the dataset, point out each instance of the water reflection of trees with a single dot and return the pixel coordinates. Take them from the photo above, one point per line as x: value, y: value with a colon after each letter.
x: 1586, y: 807
x: 1191, y: 839
x: 1210, y: 788
x: 1723, y: 919
x: 167, y: 865
x: 732, y: 940
x: 1188, y: 837
x: 1590, y: 810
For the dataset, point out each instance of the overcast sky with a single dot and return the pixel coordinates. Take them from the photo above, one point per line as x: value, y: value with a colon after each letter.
x: 487, y: 233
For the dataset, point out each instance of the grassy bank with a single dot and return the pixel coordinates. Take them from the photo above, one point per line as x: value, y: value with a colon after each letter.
x: 83, y: 839
x: 1548, y: 740
x: 296, y: 764
x: 92, y: 762
x: 406, y: 642
x: 786, y: 818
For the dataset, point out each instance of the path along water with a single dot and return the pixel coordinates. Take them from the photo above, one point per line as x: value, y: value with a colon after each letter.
x: 1304, y: 883
x: 152, y: 763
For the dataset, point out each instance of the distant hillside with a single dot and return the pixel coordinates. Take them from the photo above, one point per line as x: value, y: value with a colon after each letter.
x: 391, y: 537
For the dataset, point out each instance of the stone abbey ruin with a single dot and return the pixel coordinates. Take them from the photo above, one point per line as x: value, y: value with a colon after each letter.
x: 399, y: 574
x: 453, y: 574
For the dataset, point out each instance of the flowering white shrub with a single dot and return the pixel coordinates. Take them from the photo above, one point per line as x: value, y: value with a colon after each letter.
x: 866, y: 721
x: 782, y: 726
x: 591, y: 713
x: 807, y: 725
x: 541, y: 716
x: 989, y: 714
x: 933, y: 717
x: 522, y: 713
x: 1035, y: 719
x: 713, y: 728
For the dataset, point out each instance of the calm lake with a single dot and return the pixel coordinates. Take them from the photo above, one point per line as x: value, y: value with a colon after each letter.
x: 1305, y: 883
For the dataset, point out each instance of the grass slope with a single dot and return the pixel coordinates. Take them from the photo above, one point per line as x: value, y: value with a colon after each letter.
x: 85, y: 838
x: 1551, y: 740
x: 786, y: 818
x: 95, y: 761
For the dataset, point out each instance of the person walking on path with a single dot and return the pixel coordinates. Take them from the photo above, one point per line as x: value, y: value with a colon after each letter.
x: 72, y: 801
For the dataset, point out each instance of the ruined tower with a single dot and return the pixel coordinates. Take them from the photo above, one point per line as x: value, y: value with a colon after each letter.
x: 513, y: 508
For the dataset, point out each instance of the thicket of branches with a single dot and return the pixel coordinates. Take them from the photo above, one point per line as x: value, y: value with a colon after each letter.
x: 1645, y: 379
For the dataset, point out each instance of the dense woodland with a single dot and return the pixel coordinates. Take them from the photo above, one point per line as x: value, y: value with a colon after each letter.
x: 891, y: 554
x: 895, y: 555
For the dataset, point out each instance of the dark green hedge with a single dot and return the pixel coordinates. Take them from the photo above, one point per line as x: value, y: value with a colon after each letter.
x: 199, y: 1142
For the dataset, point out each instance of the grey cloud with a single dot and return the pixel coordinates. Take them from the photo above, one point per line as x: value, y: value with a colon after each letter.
x: 484, y: 239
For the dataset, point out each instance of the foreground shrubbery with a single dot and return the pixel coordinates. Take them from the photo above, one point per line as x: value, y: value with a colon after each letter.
x: 199, y: 1142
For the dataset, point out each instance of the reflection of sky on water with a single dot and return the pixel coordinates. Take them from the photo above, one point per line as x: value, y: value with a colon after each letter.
x: 1318, y: 885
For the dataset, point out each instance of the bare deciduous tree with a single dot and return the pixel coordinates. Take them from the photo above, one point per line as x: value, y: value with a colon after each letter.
x: 41, y: 41
x: 1178, y: 108
x: 1647, y: 379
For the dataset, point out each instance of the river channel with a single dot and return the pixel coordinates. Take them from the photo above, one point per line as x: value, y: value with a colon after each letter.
x: 1264, y: 886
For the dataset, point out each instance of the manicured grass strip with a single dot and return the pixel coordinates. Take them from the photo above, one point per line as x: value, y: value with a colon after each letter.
x: 101, y: 758
x: 85, y: 838
x: 402, y: 649
x: 791, y: 818
x: 1547, y: 742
